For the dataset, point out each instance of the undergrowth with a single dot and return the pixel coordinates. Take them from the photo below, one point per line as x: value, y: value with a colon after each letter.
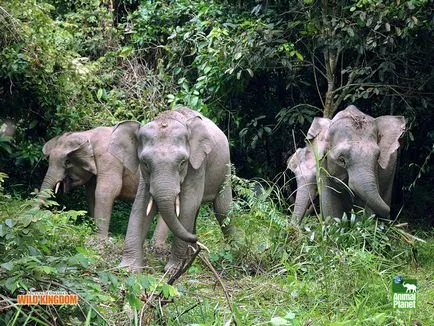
x: 334, y: 272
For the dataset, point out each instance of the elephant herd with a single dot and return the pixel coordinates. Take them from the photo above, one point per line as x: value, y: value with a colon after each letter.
x: 181, y: 159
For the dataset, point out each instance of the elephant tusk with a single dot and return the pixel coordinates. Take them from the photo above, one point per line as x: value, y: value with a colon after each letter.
x: 56, y: 189
x: 177, y: 206
x: 149, y: 208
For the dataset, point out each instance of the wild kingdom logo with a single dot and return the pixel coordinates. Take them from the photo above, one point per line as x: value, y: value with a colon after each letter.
x: 404, y: 293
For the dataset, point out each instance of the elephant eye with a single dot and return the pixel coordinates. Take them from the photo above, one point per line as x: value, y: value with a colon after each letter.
x: 341, y: 160
x: 145, y: 165
x: 182, y: 164
x: 67, y: 163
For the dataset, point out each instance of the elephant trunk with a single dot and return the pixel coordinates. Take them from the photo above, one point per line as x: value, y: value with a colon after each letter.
x: 167, y: 200
x: 52, y: 180
x: 48, y: 183
x: 365, y: 185
x: 306, y: 193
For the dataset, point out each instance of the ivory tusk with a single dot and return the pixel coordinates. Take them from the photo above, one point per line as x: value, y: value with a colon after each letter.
x: 56, y: 189
x: 177, y: 209
x: 149, y: 208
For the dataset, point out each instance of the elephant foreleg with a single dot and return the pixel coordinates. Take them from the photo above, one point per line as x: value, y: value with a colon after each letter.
x: 188, y: 213
x: 179, y: 251
x: 107, y: 189
x: 222, y: 205
x: 331, y: 202
x: 138, y: 226
x: 160, y: 234
x: 90, y: 194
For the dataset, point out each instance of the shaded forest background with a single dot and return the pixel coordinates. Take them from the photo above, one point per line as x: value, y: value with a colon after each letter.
x: 260, y: 69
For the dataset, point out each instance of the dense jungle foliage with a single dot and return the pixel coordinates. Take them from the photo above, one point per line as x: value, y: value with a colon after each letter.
x: 262, y: 70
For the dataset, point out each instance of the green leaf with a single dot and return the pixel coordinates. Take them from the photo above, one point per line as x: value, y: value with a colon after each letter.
x: 126, y: 51
x: 99, y: 93
x: 299, y: 56
x: 33, y: 124
x: 194, y: 100
x: 238, y: 55
x: 290, y: 315
x: 8, y: 266
x: 207, y: 69
x: 88, y: 318
x: 11, y: 283
x: 9, y: 222
x: 113, y: 279
x: 47, y: 269
x: 277, y: 321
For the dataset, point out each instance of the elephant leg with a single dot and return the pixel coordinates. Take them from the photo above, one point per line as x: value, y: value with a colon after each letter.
x: 331, y: 199
x: 107, y: 189
x: 180, y: 249
x: 138, y: 226
x: 188, y: 213
x: 222, y: 205
x: 160, y: 234
x: 90, y: 194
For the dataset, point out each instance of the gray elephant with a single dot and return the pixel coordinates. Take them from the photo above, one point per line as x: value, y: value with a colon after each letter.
x: 184, y: 161
x: 357, y: 155
x: 82, y: 158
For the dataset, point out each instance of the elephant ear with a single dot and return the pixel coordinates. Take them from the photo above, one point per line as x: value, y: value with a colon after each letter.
x: 80, y: 151
x: 49, y: 145
x: 201, y: 141
x: 390, y: 129
x: 302, y: 162
x: 317, y: 135
x: 124, y: 142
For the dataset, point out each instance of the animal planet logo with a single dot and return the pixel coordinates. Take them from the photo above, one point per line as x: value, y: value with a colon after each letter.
x: 404, y: 293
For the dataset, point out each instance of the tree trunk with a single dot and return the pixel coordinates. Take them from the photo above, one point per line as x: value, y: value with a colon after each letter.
x: 330, y: 58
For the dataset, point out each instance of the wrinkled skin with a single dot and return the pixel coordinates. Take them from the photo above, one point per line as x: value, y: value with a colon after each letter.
x: 358, y: 157
x: 82, y: 158
x: 184, y: 161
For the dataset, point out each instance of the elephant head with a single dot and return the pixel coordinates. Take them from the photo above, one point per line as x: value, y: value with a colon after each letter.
x: 166, y: 149
x: 353, y: 148
x: 71, y: 161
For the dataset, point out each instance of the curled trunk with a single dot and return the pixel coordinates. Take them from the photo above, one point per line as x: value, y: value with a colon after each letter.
x: 166, y: 207
x: 165, y: 195
x: 365, y: 185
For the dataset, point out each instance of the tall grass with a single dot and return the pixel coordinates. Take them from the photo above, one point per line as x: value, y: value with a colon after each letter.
x: 329, y: 272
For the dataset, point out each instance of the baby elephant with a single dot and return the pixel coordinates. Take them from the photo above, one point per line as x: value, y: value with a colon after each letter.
x: 184, y: 161
x: 82, y: 158
x: 357, y: 155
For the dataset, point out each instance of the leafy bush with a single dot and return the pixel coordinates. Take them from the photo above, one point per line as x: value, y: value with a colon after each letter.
x: 48, y: 251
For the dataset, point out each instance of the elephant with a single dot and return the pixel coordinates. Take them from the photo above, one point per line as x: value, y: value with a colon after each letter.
x: 184, y: 160
x: 357, y: 155
x: 82, y: 158
x: 303, y: 164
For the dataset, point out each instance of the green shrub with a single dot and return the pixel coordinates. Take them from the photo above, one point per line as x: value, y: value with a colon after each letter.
x: 43, y: 250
